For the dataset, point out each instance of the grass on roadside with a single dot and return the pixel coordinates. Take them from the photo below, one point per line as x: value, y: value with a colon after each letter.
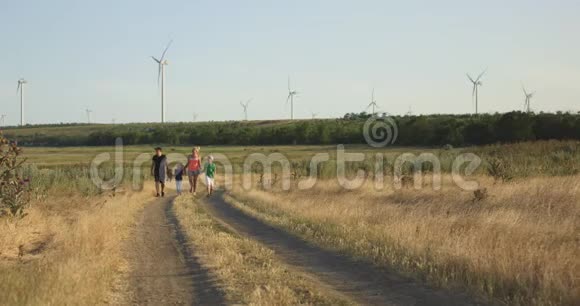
x: 519, y: 245
x: 67, y: 251
x: 249, y: 272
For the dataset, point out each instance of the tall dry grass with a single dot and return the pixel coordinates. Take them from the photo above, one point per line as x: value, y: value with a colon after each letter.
x: 519, y: 245
x: 67, y: 251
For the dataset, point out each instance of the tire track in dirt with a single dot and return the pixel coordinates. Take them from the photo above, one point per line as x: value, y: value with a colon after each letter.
x: 163, y: 269
x: 360, y: 281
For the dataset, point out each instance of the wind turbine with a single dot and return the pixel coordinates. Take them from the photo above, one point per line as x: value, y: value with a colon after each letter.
x: 20, y: 87
x: 88, y: 115
x: 194, y: 117
x: 476, y: 83
x: 2, y: 118
x: 245, y: 106
x: 373, y: 103
x: 529, y: 97
x: 162, y: 62
x: 314, y: 115
x: 291, y: 94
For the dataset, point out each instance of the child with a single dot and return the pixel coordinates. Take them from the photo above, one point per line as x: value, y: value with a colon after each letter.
x: 178, y: 177
x: 209, y: 175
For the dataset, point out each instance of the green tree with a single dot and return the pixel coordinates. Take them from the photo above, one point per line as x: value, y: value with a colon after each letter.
x: 513, y: 127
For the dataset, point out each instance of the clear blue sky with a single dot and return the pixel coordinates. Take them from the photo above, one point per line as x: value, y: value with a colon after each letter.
x: 95, y: 54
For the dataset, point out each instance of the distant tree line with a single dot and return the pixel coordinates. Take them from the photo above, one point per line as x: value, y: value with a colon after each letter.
x: 43, y: 125
x: 427, y: 130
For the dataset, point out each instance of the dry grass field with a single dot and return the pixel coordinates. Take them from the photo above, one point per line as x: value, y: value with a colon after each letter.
x: 519, y: 245
x: 67, y: 251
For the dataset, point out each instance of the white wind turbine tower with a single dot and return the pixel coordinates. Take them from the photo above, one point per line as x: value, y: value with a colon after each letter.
x: 529, y: 97
x: 194, y: 117
x: 88, y: 111
x: 373, y: 103
x: 476, y: 84
x: 162, y: 62
x: 291, y: 94
x: 245, y: 107
x: 20, y: 87
x: 2, y: 118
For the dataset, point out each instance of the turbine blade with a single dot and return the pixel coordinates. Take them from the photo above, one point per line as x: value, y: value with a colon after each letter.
x: 288, y: 99
x: 470, y: 78
x: 481, y: 74
x: 289, y: 84
x: 166, y: 48
x: 524, y: 89
x: 158, y: 61
x: 17, y: 87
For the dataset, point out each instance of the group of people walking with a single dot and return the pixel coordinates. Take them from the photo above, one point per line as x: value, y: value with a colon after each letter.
x: 161, y: 171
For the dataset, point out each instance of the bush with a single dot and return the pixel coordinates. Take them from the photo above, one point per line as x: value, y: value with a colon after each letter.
x: 14, y: 194
x: 499, y: 169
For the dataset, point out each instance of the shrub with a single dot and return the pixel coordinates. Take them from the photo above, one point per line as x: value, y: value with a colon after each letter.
x: 14, y: 194
x: 499, y: 169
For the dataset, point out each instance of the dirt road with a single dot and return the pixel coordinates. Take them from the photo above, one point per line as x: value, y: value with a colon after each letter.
x: 164, y: 272
x: 360, y: 281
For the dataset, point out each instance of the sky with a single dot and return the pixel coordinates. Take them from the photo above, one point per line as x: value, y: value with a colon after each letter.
x: 79, y: 55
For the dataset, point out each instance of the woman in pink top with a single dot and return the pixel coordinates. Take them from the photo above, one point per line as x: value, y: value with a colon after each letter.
x: 193, y: 167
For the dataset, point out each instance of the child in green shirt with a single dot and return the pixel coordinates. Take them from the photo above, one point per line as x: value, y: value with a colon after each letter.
x: 209, y: 170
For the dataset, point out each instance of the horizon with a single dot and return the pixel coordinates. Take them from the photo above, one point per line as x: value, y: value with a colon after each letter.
x: 379, y: 116
x: 79, y: 123
x: 89, y: 56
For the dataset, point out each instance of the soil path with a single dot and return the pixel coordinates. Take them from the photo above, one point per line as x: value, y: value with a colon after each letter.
x: 362, y: 282
x: 164, y: 272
